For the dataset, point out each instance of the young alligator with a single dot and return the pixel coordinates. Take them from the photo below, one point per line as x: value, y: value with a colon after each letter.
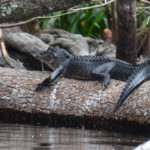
x: 83, y: 67
x: 93, y: 67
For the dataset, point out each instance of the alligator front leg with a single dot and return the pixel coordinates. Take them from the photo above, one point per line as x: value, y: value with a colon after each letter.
x: 102, y: 73
x: 50, y: 79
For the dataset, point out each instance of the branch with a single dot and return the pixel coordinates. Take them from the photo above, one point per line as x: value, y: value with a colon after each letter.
x: 71, y: 11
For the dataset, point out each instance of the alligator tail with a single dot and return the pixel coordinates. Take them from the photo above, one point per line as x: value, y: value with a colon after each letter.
x: 141, y: 74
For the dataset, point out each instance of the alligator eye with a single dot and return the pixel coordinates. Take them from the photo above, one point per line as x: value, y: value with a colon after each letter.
x: 52, y: 55
x: 55, y: 54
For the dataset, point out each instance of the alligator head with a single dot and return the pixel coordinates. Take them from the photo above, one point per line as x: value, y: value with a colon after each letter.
x: 53, y: 56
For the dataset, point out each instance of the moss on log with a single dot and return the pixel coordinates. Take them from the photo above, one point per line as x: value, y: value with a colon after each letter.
x: 14, y: 10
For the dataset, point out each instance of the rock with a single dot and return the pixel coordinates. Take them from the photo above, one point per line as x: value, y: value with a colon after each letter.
x: 144, y: 146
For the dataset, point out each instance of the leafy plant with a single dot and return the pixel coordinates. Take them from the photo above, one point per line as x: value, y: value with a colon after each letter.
x: 89, y: 22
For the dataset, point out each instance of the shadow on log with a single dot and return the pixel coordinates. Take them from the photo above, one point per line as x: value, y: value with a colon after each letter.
x: 68, y: 99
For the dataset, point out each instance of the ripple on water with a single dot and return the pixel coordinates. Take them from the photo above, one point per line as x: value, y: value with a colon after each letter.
x: 29, y: 137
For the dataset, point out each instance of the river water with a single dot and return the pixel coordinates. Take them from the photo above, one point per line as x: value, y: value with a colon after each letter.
x: 30, y: 137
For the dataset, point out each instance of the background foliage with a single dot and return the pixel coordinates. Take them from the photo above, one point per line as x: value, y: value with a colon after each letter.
x: 143, y: 15
x: 91, y: 22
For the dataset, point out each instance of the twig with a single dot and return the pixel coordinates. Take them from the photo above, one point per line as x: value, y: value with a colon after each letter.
x: 2, y: 46
x: 143, y: 8
x: 48, y: 17
x: 144, y: 1
x: 12, y: 63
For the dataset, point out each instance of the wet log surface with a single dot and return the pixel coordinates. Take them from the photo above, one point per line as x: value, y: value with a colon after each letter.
x: 69, y: 97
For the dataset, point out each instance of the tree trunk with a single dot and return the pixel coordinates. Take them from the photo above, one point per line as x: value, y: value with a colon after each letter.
x: 126, y: 43
x: 114, y: 22
x: 14, y: 10
x: 149, y: 40
x: 69, y: 97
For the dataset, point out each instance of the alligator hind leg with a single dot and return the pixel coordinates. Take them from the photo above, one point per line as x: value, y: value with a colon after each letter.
x: 102, y: 73
x: 50, y: 79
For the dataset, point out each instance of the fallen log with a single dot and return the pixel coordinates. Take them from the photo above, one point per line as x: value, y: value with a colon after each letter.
x: 69, y: 97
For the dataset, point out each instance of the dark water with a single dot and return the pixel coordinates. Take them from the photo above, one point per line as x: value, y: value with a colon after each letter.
x: 28, y: 137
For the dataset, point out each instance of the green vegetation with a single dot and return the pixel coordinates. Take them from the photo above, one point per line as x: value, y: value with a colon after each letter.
x: 89, y: 22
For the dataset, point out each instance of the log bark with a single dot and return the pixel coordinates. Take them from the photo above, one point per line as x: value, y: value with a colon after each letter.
x: 14, y: 10
x: 69, y: 97
x: 126, y: 42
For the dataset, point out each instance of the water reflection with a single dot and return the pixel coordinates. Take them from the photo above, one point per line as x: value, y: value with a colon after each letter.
x: 27, y: 137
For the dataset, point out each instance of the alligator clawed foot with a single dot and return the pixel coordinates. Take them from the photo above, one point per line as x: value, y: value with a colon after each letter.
x: 40, y: 87
x: 103, y: 85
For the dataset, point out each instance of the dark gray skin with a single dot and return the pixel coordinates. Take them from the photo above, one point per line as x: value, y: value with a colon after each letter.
x: 141, y: 74
x: 83, y: 67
